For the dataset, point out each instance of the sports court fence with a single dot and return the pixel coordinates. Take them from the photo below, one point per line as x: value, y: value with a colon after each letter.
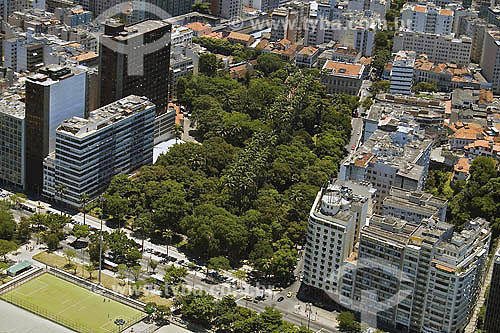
x: 29, y: 275
x: 43, y: 312
x: 71, y: 324
x: 96, y: 288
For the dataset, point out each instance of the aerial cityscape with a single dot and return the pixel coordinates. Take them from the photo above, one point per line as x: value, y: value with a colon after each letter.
x: 250, y: 166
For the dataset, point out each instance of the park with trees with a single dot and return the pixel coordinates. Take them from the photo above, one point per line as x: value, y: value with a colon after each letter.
x: 479, y: 196
x: 267, y: 145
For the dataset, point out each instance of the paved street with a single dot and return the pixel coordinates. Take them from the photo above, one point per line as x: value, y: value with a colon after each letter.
x: 357, y: 131
x: 292, y: 309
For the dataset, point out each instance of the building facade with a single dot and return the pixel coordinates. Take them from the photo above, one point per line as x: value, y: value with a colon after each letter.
x: 401, y: 76
x: 53, y: 94
x: 228, y: 9
x: 12, y: 136
x: 413, y: 206
x: 438, y: 48
x: 429, y: 19
x: 337, y: 215
x: 399, y: 158
x: 141, y: 64
x: 422, y: 277
x: 342, y: 78
x: 490, y: 62
x: 115, y: 139
x: 492, y: 317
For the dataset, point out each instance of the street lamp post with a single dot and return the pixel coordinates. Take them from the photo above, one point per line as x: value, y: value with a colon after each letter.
x: 309, y: 312
x: 101, y: 199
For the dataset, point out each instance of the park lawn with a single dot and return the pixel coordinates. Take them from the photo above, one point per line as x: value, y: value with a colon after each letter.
x: 107, y: 281
x: 72, y: 303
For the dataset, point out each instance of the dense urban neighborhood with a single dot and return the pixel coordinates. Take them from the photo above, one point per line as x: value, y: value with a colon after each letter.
x: 250, y: 166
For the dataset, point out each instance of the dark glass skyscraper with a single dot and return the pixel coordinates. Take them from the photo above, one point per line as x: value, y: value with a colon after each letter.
x: 135, y: 60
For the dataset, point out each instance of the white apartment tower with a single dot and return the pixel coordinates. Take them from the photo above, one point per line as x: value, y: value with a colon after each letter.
x: 429, y: 19
x: 337, y: 215
x: 490, y: 61
x: 115, y: 139
x: 402, y: 72
x: 422, y: 277
x: 439, y: 49
x: 12, y: 132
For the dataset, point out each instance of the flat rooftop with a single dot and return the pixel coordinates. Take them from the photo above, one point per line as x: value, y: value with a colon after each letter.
x: 104, y: 116
x: 381, y: 148
x: 134, y: 30
x: 52, y: 74
x: 12, y: 104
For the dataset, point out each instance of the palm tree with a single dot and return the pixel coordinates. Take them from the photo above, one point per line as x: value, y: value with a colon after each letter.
x: 90, y: 268
x: 144, y: 225
x: 18, y: 199
x: 84, y: 200
x: 61, y: 191
x: 168, y: 234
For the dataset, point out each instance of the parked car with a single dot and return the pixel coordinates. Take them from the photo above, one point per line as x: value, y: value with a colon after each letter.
x: 280, y: 299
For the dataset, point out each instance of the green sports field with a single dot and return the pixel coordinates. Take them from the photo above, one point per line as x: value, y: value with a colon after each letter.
x: 71, y: 305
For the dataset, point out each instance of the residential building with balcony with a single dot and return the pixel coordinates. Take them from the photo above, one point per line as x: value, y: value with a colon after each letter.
x: 429, y: 19
x: 420, y: 277
x: 115, y: 139
x: 401, y: 76
x: 438, y: 48
x: 413, y: 206
x: 337, y: 215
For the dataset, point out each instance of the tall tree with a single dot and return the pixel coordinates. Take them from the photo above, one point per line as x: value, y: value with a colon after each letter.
x: 208, y: 64
x: 7, y: 225
x: 84, y: 200
x: 144, y: 226
x: 6, y: 247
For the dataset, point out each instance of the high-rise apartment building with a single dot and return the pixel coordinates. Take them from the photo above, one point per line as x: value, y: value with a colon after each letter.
x: 228, y: 9
x: 337, y: 215
x: 12, y: 136
x: 7, y: 7
x: 430, y: 19
x: 413, y: 206
x: 399, y: 158
x: 438, y: 48
x: 490, y: 61
x: 402, y: 73
x: 475, y: 28
x: 492, y: 317
x: 115, y: 139
x: 422, y: 277
x: 325, y: 25
x: 262, y: 5
x: 289, y: 22
x: 53, y: 94
x: 135, y: 60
